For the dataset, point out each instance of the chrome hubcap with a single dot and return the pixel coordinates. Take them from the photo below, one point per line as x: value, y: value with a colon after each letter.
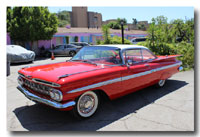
x: 87, y: 103
x: 72, y: 53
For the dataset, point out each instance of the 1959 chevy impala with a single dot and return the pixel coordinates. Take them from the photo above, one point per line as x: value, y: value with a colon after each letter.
x: 112, y: 70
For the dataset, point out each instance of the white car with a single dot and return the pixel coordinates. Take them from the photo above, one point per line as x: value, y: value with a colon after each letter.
x: 18, y: 54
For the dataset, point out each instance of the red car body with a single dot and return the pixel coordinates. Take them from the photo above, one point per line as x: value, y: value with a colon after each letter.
x: 74, y: 78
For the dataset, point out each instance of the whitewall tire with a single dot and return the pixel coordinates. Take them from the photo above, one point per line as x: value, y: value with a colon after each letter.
x: 161, y: 83
x: 86, y: 105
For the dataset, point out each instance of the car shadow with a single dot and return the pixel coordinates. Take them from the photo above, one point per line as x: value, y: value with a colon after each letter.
x: 21, y: 63
x: 41, y: 118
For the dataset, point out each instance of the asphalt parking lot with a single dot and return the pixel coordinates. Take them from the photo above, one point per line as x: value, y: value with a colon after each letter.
x: 170, y: 108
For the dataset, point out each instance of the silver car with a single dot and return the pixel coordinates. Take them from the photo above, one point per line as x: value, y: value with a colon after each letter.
x: 65, y: 50
x: 80, y: 44
x: 18, y: 54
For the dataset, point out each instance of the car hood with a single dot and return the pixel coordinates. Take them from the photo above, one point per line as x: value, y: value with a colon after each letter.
x: 52, y: 72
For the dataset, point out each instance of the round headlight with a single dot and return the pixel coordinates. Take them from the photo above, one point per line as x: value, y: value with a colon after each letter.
x: 20, y: 80
x: 55, y: 94
x: 52, y: 95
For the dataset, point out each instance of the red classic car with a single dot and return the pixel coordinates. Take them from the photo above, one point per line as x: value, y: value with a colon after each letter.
x: 113, y: 70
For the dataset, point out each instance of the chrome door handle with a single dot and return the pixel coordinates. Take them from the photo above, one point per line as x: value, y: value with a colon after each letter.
x: 146, y: 65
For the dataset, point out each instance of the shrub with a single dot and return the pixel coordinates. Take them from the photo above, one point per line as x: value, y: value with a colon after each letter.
x: 183, y: 48
x: 113, y: 40
x: 187, y: 52
x: 114, y: 25
x: 62, y: 23
x: 118, y: 40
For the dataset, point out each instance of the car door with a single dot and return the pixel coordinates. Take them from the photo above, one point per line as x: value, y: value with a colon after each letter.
x: 135, y: 74
x: 59, y: 50
x: 68, y: 49
x: 148, y: 58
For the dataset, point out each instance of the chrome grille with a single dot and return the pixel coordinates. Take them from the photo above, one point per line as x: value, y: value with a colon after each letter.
x: 46, y: 82
x: 37, y: 87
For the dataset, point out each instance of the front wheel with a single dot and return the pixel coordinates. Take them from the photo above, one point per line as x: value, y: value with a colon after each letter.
x: 86, y: 105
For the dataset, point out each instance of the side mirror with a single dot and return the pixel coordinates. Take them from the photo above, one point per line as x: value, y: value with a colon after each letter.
x: 129, y: 62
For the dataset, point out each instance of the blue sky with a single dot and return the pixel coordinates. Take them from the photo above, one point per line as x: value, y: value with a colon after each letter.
x: 140, y: 13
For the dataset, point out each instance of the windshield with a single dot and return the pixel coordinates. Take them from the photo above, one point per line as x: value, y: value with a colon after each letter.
x: 99, y: 55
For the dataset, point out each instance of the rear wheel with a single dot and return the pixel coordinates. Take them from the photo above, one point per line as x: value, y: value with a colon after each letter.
x: 161, y: 83
x: 86, y: 105
x: 72, y: 53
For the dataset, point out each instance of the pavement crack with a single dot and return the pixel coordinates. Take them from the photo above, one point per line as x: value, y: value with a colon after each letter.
x: 161, y: 123
x: 125, y: 125
x: 172, y: 108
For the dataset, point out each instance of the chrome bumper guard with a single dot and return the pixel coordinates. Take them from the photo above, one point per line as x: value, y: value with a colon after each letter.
x: 45, y: 101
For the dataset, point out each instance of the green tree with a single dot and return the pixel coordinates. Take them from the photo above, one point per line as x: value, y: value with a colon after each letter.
x: 142, y: 26
x: 9, y: 18
x: 106, y: 34
x: 111, y: 40
x: 176, y: 37
x: 119, y: 20
x: 183, y: 31
x: 32, y: 24
x: 190, y: 31
x: 135, y: 22
x: 151, y: 33
x: 117, y: 24
x: 63, y: 18
x: 114, y: 25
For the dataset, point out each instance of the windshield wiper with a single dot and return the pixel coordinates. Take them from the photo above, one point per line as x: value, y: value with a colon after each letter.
x: 90, y: 62
x: 85, y: 61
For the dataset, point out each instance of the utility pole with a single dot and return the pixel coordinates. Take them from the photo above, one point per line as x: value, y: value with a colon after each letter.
x: 122, y: 29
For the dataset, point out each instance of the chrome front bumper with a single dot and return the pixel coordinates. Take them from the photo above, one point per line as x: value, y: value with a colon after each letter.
x: 45, y: 101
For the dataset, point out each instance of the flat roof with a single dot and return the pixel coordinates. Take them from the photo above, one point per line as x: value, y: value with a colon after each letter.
x: 95, y: 30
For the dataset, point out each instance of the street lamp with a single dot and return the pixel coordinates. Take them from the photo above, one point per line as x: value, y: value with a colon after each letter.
x: 122, y: 29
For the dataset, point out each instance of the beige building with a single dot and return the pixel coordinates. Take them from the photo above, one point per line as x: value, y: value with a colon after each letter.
x: 135, y: 27
x: 81, y: 18
x: 108, y: 21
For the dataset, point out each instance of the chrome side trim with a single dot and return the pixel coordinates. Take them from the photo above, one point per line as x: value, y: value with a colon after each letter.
x: 96, y: 85
x: 45, y: 101
x: 136, y: 75
x: 149, y: 72
x: 122, y: 78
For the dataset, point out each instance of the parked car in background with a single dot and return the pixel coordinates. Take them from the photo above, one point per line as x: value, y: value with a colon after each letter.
x: 136, y: 40
x: 18, y: 54
x: 81, y: 44
x: 64, y: 50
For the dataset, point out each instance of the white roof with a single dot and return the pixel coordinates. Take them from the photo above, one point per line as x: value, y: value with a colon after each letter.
x: 124, y: 46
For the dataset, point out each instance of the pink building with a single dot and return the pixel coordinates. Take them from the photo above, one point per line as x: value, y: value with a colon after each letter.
x: 66, y: 35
